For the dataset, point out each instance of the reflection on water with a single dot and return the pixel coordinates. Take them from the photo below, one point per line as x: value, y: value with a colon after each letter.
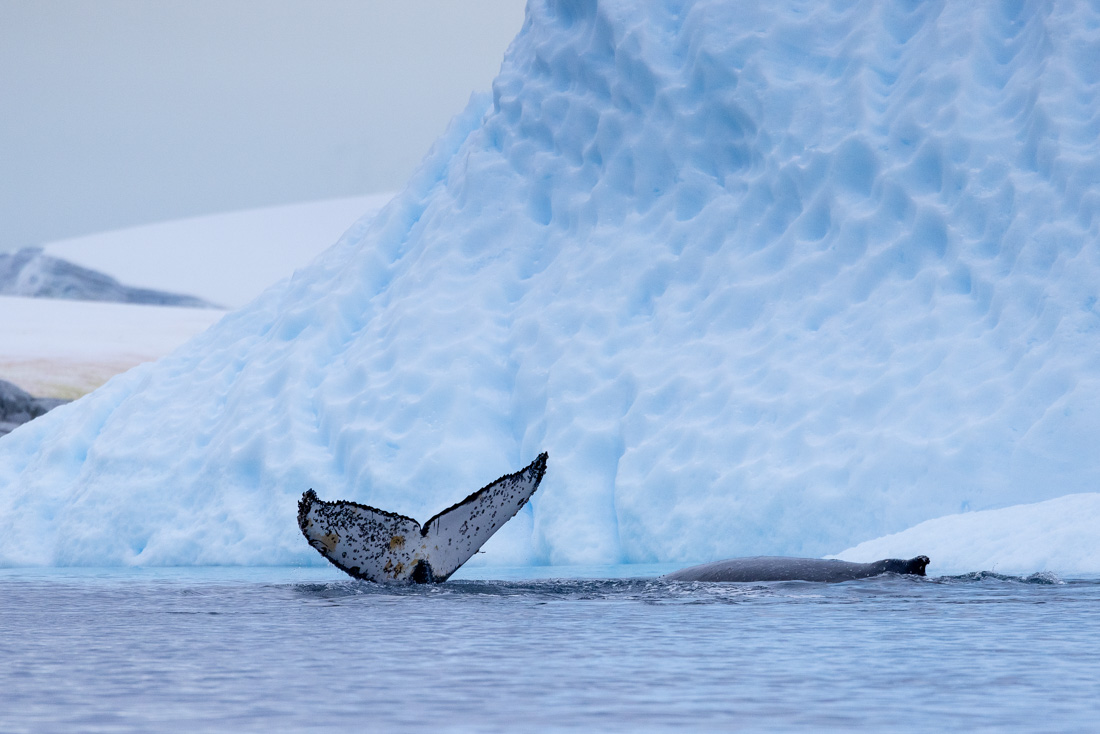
x: 305, y: 650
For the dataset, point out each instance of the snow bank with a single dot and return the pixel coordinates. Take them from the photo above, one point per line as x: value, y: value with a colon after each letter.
x: 227, y: 259
x: 761, y: 279
x: 61, y: 348
x: 1058, y: 535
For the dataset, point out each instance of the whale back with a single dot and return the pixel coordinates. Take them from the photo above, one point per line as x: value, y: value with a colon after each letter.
x: 782, y: 568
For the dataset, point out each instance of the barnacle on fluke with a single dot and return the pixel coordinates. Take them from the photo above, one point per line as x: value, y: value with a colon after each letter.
x: 381, y: 546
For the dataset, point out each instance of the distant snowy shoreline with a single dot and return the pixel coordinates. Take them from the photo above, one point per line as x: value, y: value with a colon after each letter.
x: 228, y: 258
x: 65, y: 349
x: 61, y: 348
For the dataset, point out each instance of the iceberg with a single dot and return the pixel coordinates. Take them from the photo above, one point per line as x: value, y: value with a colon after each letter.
x: 762, y: 279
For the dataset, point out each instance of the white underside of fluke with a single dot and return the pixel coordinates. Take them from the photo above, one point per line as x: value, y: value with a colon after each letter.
x: 381, y: 546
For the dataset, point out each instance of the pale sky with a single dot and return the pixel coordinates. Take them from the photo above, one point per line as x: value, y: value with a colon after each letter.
x: 115, y: 113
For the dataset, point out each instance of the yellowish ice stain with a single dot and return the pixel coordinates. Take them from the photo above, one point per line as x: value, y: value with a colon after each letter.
x: 397, y: 541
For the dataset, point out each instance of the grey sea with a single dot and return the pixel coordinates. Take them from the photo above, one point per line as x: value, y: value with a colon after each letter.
x: 287, y: 649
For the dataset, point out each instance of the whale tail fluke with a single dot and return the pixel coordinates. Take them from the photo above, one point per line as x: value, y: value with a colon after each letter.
x: 381, y: 546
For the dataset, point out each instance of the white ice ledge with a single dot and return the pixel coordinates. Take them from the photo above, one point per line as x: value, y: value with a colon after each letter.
x: 1058, y: 536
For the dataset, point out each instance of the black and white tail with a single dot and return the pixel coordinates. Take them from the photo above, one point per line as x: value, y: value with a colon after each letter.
x: 383, y: 546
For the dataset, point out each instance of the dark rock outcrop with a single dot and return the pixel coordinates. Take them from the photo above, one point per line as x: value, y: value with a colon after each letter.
x: 17, y: 406
x: 32, y: 273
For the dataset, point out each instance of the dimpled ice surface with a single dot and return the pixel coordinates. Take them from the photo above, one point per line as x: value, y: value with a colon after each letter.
x: 762, y: 278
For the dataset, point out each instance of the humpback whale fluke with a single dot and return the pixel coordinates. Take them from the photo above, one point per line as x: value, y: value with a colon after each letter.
x: 780, y: 568
x: 381, y: 546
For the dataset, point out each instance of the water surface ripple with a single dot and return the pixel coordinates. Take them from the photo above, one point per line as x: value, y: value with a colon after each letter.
x: 287, y: 650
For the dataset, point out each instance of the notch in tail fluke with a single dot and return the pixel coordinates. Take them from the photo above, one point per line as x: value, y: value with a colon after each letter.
x: 381, y: 546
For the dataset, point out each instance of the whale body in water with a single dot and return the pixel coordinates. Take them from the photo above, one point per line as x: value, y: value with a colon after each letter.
x: 381, y: 546
x: 780, y: 568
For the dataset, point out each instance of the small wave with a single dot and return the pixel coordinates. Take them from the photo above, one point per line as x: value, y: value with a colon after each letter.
x: 564, y: 589
x: 1042, y: 578
x: 643, y: 590
x: 654, y: 591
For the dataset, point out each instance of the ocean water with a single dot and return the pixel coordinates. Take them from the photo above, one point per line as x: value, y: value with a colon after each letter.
x: 302, y: 649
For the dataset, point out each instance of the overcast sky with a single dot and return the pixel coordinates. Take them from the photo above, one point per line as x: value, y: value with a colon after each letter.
x: 115, y: 113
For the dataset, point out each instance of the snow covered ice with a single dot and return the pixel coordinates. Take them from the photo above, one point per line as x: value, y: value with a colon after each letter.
x: 761, y: 278
x: 227, y: 258
x: 60, y: 348
x: 63, y: 348
x: 1057, y: 536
